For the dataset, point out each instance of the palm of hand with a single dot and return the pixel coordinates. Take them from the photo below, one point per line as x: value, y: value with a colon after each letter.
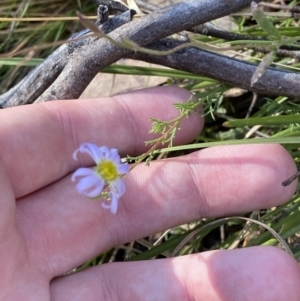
x: 51, y: 229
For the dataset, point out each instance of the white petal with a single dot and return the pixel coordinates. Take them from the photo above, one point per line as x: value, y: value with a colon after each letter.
x: 105, y: 151
x: 91, y: 149
x: 75, y: 155
x: 82, y: 172
x: 86, y: 183
x: 90, y: 185
x: 114, y: 203
x: 114, y: 156
x: 123, y: 168
x: 94, y: 193
x: 106, y: 206
x: 118, y: 187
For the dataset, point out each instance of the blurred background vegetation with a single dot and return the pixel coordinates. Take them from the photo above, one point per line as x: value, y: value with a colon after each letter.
x: 30, y: 30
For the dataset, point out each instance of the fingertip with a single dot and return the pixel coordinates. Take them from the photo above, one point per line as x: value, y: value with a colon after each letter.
x: 288, y: 171
x: 288, y: 270
x: 261, y: 273
x: 281, y: 166
x: 241, y: 178
x: 254, y: 273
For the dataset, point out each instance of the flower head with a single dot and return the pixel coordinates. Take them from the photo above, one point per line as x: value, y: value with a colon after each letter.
x: 105, y: 178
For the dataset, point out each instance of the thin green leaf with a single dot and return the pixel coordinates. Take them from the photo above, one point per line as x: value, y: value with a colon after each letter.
x: 270, y: 120
x: 277, y: 140
x: 264, y: 22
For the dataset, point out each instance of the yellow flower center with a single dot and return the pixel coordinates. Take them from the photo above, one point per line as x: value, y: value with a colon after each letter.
x: 107, y: 170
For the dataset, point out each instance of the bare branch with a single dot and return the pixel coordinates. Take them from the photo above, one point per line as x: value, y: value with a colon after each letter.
x: 86, y: 62
x: 78, y: 62
x: 228, y: 70
x: 43, y: 76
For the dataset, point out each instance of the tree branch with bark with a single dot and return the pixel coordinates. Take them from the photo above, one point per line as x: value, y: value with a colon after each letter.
x: 67, y: 72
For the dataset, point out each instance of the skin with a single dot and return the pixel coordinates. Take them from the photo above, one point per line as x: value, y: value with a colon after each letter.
x: 47, y: 228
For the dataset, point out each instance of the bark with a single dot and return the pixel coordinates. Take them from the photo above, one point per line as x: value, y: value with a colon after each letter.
x: 68, y: 71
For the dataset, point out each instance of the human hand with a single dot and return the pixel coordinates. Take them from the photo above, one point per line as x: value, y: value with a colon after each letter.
x: 51, y: 229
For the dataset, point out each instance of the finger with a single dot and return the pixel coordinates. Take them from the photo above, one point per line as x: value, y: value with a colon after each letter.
x: 258, y: 273
x: 13, y: 255
x: 214, y: 182
x: 37, y: 142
